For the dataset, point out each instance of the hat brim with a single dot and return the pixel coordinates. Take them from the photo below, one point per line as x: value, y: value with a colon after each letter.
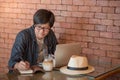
x: 76, y: 72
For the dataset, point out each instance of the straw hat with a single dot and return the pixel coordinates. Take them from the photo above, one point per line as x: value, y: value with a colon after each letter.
x: 77, y: 65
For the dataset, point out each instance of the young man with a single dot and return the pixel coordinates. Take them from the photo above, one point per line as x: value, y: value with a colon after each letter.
x: 29, y: 42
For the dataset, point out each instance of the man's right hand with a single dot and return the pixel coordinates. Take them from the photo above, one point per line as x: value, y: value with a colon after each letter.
x: 22, y: 65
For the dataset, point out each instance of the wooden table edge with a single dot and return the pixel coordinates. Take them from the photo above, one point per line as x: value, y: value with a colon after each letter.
x: 108, y: 74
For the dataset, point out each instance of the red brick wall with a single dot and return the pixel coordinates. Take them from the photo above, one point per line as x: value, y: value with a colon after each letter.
x: 93, y: 23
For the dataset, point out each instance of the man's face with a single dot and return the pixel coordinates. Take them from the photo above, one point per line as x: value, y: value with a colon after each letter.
x: 41, y: 30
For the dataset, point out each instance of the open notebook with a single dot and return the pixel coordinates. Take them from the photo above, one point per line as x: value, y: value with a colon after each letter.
x: 64, y: 52
x: 33, y: 69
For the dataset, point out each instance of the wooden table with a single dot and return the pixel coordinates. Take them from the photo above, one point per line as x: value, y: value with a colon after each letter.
x: 101, y: 72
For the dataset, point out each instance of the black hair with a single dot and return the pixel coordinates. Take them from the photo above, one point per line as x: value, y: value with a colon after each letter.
x: 43, y: 16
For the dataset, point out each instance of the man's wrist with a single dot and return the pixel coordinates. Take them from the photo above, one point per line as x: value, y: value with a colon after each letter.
x: 16, y: 66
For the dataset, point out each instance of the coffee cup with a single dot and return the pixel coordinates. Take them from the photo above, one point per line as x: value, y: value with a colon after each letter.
x: 47, y: 65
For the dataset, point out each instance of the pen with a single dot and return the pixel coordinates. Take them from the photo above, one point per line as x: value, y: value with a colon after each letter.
x: 26, y: 62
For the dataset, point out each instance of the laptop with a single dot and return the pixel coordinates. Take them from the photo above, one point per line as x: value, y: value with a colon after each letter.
x: 64, y: 52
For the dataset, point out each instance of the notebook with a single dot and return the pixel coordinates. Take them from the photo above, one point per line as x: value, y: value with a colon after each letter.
x: 33, y: 69
x: 64, y: 52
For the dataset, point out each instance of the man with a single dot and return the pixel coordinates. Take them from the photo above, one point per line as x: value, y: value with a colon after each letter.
x: 29, y: 42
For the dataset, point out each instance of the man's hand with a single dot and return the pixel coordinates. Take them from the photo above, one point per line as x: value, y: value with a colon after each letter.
x: 22, y: 65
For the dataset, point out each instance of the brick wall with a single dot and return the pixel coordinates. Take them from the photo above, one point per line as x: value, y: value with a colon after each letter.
x: 95, y: 24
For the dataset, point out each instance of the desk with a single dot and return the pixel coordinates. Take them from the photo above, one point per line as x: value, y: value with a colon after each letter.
x: 104, y: 72
x: 100, y: 73
x: 56, y: 75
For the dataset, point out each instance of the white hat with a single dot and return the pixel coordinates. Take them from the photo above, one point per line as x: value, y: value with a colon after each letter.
x: 77, y: 65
